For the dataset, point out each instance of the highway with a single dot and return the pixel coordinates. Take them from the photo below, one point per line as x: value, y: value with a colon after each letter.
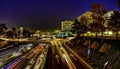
x: 41, y: 59
x: 14, y: 52
x: 28, y: 62
x: 60, y: 57
x: 31, y: 58
x: 55, y: 59
x: 51, y: 54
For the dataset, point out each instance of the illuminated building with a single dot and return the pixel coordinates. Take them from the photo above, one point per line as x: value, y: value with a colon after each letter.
x: 37, y: 34
x: 67, y: 25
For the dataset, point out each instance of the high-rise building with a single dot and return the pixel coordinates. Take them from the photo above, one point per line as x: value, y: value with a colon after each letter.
x: 67, y: 25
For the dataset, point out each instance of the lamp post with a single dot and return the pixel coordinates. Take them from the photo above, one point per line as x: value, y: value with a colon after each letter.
x: 88, y: 51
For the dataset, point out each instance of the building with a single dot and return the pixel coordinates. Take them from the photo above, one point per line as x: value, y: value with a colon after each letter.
x: 37, y: 34
x: 67, y: 25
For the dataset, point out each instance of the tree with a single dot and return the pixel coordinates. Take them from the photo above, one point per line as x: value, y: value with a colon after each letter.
x: 26, y: 33
x: 92, y: 20
x: 114, y: 22
x: 94, y: 27
x: 118, y: 1
x: 81, y: 24
x: 10, y: 34
x: 14, y: 32
x: 74, y: 27
x: 3, y: 28
x: 98, y: 9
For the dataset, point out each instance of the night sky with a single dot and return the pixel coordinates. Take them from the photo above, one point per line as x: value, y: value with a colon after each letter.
x: 46, y: 15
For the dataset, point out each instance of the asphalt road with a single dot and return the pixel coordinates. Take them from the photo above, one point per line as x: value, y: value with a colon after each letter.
x: 59, y: 57
x: 48, y: 56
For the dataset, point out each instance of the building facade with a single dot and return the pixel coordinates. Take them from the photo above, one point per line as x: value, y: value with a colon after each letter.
x: 67, y: 25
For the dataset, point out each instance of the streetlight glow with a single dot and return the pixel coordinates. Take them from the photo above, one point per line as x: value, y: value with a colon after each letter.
x: 110, y: 32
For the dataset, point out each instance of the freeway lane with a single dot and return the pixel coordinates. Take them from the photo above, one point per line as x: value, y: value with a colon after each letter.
x: 55, y: 61
x: 9, y: 54
x: 59, y: 57
x: 65, y: 55
x: 41, y: 59
x: 30, y: 59
x: 57, y: 54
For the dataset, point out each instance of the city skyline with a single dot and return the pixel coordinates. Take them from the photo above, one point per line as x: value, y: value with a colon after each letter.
x: 45, y: 15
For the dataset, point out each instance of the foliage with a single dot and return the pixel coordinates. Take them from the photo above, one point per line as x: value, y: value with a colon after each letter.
x: 114, y: 21
x: 92, y: 21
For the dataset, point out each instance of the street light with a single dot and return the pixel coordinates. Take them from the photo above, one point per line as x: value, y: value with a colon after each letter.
x: 88, y: 52
x: 110, y: 32
x: 105, y: 64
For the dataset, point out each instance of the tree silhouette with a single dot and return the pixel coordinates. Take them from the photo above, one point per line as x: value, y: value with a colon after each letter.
x: 74, y: 27
x: 118, y: 1
x: 14, y: 32
x: 3, y: 28
x: 10, y: 34
x: 98, y: 9
x: 81, y: 25
x: 114, y: 22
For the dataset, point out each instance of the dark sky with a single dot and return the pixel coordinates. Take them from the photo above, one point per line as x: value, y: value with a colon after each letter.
x: 45, y: 14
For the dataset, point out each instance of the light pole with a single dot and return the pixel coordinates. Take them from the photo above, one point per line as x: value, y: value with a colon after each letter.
x: 88, y: 51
